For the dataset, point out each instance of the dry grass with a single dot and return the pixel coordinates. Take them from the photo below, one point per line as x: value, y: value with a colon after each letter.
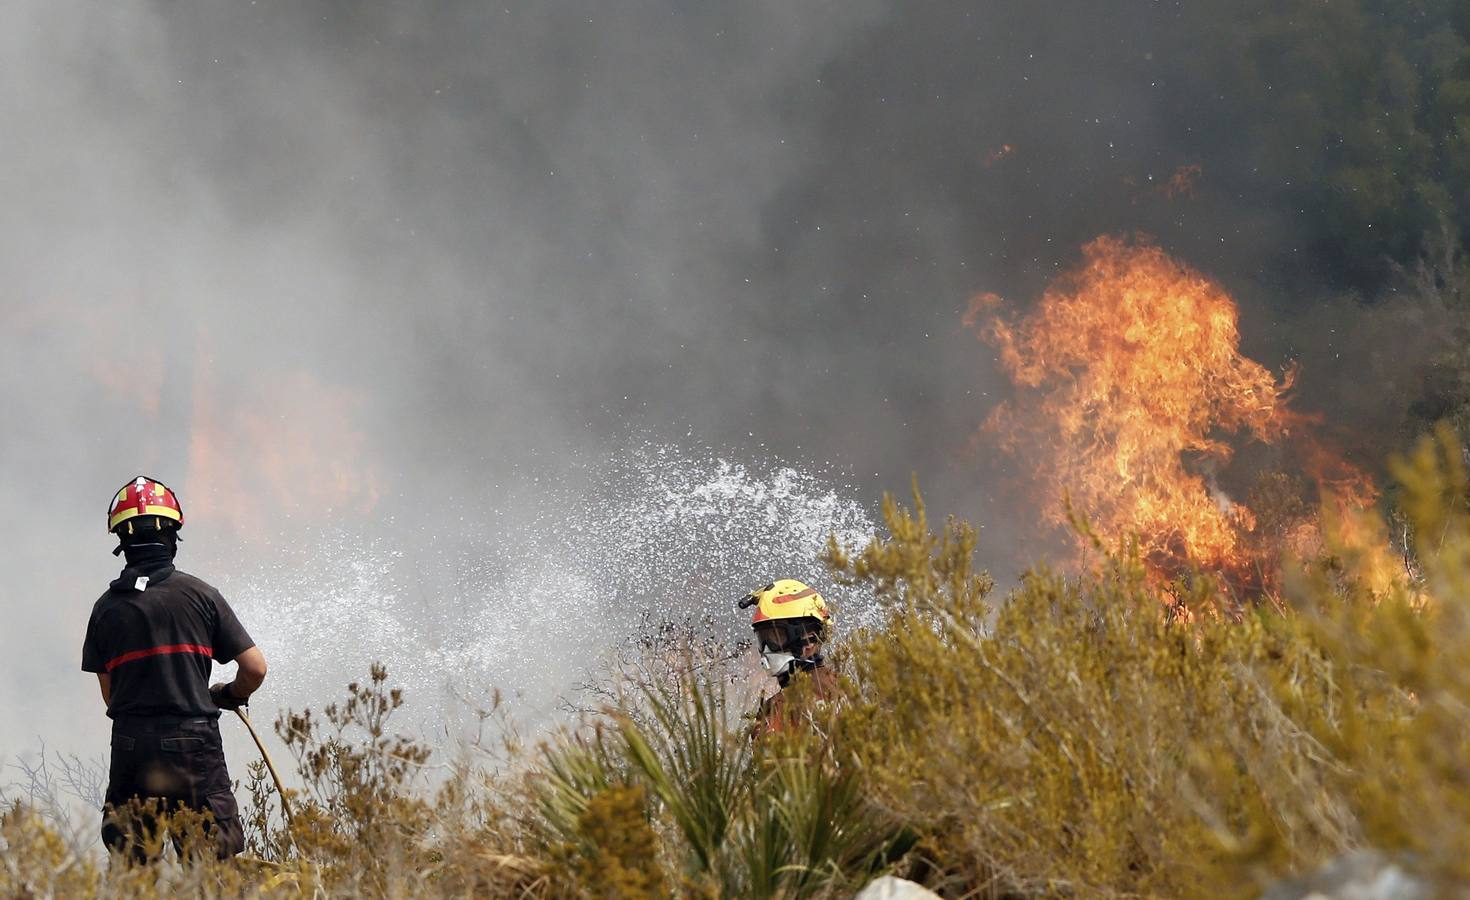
x: 1075, y: 741
x: 1071, y: 741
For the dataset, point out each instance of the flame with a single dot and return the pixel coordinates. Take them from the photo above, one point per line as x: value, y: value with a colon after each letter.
x: 1349, y: 526
x: 261, y: 443
x: 98, y: 335
x: 287, y: 446
x: 1182, y: 182
x: 1131, y: 388
x: 999, y: 154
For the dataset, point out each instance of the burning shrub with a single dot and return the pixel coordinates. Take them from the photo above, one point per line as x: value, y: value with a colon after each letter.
x: 1075, y: 740
x: 1133, y: 395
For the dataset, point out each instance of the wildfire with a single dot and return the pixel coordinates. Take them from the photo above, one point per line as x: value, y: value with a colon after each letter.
x: 1131, y: 385
x: 244, y: 446
x: 289, y: 446
x: 999, y: 154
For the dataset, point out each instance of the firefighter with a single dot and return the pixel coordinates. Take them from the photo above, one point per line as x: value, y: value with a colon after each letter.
x: 150, y: 641
x: 791, y: 624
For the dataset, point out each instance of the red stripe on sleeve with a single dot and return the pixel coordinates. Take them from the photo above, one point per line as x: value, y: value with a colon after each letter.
x: 158, y: 651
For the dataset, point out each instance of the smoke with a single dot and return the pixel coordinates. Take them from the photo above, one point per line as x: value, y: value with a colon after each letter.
x: 336, y: 269
x: 332, y: 270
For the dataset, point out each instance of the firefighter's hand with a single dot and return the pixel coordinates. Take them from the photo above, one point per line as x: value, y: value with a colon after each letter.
x: 225, y: 698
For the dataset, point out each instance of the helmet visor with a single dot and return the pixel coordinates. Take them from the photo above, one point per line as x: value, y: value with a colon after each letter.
x: 788, y: 636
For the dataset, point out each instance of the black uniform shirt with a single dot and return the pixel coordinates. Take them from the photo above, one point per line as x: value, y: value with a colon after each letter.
x: 156, y: 644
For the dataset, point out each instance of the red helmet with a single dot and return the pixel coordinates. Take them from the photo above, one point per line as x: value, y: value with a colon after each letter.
x: 144, y: 496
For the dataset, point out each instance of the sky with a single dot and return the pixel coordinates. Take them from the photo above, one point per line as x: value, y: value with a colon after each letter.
x: 399, y: 294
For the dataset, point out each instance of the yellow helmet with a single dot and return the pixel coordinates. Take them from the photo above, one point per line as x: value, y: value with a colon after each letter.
x: 789, y: 617
x: 787, y: 599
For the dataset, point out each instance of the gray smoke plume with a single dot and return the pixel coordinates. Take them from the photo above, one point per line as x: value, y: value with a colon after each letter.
x: 406, y: 271
x: 386, y: 271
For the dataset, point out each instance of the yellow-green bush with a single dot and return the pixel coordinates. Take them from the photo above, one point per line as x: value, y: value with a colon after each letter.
x: 1075, y: 740
x: 1071, y: 740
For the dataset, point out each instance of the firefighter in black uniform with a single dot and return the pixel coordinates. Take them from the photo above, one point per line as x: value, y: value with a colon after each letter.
x: 150, y: 641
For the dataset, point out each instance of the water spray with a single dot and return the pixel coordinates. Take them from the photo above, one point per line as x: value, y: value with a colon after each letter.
x: 597, y: 554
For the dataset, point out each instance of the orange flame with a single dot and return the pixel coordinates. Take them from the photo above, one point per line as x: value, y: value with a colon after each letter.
x: 290, y: 446
x: 1130, y: 383
x: 268, y: 441
x: 1182, y: 182
x: 999, y: 154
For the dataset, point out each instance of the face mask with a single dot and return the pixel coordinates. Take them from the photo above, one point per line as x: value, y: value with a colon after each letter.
x: 777, y: 662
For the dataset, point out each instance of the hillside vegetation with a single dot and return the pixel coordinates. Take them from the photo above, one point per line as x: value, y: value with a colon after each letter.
x: 1073, y: 740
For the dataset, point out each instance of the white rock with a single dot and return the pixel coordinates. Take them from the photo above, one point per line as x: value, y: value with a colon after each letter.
x: 1364, y: 875
x: 890, y: 888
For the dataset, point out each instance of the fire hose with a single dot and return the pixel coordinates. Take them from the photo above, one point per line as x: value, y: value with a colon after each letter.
x: 270, y: 767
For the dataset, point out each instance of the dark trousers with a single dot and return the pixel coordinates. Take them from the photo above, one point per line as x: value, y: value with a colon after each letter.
x: 181, y: 763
